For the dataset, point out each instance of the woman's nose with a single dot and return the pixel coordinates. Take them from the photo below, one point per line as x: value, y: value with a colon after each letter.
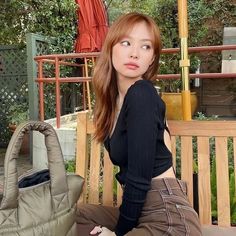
x: 134, y: 56
x: 134, y: 53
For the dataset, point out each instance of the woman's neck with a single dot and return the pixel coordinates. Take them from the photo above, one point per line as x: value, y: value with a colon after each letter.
x: 123, y: 86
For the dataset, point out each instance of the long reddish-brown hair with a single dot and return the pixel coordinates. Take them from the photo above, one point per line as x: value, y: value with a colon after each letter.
x: 104, y: 78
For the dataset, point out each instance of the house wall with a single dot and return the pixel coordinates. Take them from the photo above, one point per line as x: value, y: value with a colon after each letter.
x: 218, y: 96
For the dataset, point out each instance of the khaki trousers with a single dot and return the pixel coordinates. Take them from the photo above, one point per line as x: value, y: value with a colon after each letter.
x: 166, y: 212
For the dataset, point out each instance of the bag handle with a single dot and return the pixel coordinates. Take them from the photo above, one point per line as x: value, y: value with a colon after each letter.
x: 59, y: 187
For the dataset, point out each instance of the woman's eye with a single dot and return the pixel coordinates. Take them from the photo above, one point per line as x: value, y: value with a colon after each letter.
x: 146, y: 47
x: 125, y: 43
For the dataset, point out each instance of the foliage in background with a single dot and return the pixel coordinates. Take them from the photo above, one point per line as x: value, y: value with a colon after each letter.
x: 55, y: 18
x: 70, y: 166
x: 206, y: 22
x: 116, y: 8
x: 222, y: 14
x: 202, y: 116
x: 164, y: 13
x: 58, y: 19
x: 18, y: 113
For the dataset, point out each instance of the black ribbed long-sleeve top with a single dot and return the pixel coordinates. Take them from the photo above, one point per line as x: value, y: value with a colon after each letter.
x: 137, y: 147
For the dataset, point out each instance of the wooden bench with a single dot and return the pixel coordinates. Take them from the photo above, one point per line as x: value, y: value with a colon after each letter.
x: 191, y: 141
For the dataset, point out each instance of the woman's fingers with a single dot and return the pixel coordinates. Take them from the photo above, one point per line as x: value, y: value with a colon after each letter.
x: 96, y: 229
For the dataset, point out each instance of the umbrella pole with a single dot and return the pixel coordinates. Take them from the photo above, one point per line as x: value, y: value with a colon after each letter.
x: 184, y: 60
x: 87, y: 84
x: 88, y: 94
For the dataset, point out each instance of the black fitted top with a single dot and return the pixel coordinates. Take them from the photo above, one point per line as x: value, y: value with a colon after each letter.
x: 137, y: 147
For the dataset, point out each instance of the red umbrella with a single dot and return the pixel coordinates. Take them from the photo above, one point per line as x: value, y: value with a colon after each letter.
x: 92, y: 30
x: 92, y: 25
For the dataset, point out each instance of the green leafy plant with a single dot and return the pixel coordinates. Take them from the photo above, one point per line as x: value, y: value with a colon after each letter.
x: 50, y: 18
x: 169, y: 85
x: 213, y: 190
x: 18, y: 113
x: 70, y: 166
x: 232, y: 197
x: 202, y: 116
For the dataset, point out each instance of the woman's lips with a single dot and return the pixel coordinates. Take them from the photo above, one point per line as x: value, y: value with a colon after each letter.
x: 132, y: 66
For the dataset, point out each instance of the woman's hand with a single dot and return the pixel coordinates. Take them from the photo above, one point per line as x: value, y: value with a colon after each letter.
x: 102, y: 231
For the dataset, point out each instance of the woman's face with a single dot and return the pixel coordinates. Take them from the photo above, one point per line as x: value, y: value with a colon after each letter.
x: 134, y: 53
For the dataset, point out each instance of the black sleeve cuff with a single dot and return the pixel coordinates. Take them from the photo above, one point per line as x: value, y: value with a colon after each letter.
x: 118, y: 233
x: 124, y: 226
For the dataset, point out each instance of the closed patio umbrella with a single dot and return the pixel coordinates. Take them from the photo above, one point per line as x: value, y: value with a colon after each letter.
x: 92, y: 30
x: 92, y: 25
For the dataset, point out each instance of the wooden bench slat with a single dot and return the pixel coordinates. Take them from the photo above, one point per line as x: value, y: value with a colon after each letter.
x: 204, y: 187
x: 173, y: 148
x: 94, y: 176
x: 81, y: 151
x: 90, y: 127
x: 187, y: 164
x: 202, y: 128
x: 107, y: 181
x: 81, y: 144
x: 222, y: 176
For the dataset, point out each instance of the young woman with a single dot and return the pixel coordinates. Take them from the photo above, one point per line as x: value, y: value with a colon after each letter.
x: 130, y: 119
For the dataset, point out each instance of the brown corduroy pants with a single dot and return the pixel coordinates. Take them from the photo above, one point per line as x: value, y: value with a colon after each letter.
x: 166, y: 212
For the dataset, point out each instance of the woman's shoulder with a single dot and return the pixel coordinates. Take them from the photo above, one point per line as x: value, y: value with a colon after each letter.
x: 142, y: 96
x: 142, y: 93
x: 142, y: 87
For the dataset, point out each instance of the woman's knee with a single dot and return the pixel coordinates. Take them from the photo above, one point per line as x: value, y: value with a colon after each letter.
x: 83, y: 213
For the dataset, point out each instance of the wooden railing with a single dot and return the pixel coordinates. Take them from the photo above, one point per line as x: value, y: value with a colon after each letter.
x: 197, y: 141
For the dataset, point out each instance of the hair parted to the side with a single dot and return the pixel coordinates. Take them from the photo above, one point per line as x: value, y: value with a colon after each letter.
x: 104, y: 78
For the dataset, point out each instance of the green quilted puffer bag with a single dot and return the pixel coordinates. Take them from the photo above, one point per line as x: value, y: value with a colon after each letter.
x: 45, y: 209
